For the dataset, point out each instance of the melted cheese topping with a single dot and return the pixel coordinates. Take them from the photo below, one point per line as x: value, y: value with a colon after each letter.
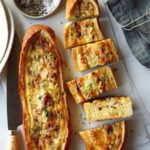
x: 82, y: 32
x: 107, y: 137
x: 94, y: 54
x: 47, y: 111
x: 109, y: 108
x: 92, y: 84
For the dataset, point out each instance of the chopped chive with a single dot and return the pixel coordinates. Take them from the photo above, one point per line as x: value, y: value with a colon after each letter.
x: 40, y: 97
x: 47, y: 113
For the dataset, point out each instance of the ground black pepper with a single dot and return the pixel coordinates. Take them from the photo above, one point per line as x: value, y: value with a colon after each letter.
x: 35, y: 7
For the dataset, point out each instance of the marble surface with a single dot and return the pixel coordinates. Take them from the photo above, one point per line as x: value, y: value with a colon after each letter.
x: 139, y: 75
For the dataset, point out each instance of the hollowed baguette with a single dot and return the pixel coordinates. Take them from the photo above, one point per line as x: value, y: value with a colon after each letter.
x: 81, y: 9
x: 108, y: 109
x: 94, y: 54
x: 107, y: 137
x: 82, y: 32
x: 92, y: 84
x: 45, y: 110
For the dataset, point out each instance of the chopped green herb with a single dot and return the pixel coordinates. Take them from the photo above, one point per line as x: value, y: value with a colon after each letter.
x: 104, y: 77
x: 29, y: 100
x: 39, y: 127
x: 30, y: 83
x: 40, y: 97
x: 47, y: 113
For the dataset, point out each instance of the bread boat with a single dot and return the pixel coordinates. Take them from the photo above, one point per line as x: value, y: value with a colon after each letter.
x: 45, y: 111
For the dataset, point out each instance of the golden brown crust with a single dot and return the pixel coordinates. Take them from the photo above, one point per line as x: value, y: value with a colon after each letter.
x: 22, y: 63
x: 124, y: 144
x: 71, y: 4
x: 103, y: 137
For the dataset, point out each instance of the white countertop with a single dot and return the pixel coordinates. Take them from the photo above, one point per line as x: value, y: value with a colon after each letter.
x: 138, y: 73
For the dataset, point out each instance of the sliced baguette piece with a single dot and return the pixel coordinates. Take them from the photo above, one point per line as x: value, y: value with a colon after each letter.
x: 81, y: 9
x: 92, y: 85
x: 107, y: 137
x: 108, y: 108
x: 94, y: 54
x: 82, y: 32
x: 45, y: 111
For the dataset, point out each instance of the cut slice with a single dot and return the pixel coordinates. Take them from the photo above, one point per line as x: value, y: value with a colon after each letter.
x: 109, y: 108
x: 82, y: 32
x: 92, y: 84
x: 81, y: 9
x: 94, y: 54
x: 107, y: 137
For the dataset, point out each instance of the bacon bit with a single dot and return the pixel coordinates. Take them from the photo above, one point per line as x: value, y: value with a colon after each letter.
x: 109, y: 129
x: 47, y: 136
x: 74, y: 24
x: 103, y: 48
x: 49, y: 125
x: 53, y: 75
x: 83, y: 60
x: 47, y: 100
x: 93, y: 36
x: 36, y: 140
x: 36, y: 118
x: 37, y: 79
x: 94, y: 73
x: 78, y: 33
x: 42, y: 42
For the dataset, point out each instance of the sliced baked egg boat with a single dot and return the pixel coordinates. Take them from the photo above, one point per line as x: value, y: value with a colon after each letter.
x: 45, y: 110
x: 106, y: 137
x: 81, y: 9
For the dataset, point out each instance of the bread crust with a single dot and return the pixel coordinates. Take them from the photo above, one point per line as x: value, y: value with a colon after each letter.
x: 70, y: 5
x: 25, y: 45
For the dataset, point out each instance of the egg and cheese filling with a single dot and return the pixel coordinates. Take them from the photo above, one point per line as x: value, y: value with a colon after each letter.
x: 47, y: 117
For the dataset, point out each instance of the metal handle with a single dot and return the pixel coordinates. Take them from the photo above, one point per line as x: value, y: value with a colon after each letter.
x: 13, y: 143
